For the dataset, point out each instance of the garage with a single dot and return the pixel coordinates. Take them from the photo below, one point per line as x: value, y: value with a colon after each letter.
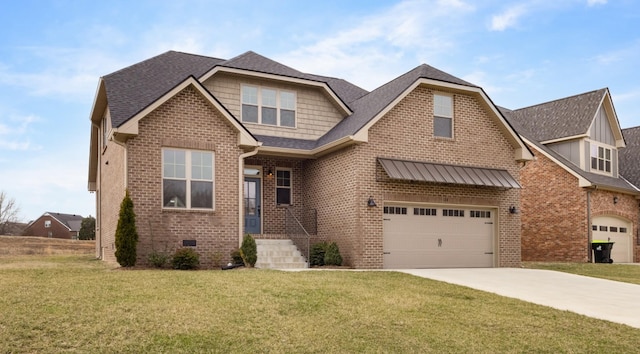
x: 437, y: 236
x: 613, y: 229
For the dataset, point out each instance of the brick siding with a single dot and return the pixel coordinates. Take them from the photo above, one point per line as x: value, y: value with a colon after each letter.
x: 555, y: 223
x: 216, y: 232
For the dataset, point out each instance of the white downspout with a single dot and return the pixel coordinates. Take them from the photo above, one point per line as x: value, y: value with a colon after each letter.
x: 241, y: 191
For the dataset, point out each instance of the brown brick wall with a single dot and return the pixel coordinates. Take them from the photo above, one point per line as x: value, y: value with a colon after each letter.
x: 555, y: 223
x: 626, y: 207
x: 331, y: 188
x: 340, y: 183
x: 56, y: 229
x: 185, y: 121
x: 273, y: 216
x: 111, y: 190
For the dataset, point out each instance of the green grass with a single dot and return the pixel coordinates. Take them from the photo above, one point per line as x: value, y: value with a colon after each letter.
x: 76, y: 304
x: 628, y: 273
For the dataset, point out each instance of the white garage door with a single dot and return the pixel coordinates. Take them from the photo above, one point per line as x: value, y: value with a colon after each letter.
x: 608, y: 228
x: 429, y: 236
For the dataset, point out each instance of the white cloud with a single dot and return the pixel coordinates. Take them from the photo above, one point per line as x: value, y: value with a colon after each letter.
x: 367, y: 53
x: 14, y: 132
x: 508, y: 18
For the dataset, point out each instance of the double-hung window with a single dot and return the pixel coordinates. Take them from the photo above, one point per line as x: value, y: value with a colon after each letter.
x: 443, y: 116
x: 283, y: 186
x: 268, y: 106
x: 187, y: 179
x: 600, y: 158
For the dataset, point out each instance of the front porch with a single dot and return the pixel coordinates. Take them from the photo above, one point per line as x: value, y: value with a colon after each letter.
x: 274, y: 212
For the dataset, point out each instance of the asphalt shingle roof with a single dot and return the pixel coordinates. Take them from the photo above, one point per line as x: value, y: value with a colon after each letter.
x: 133, y: 88
x: 368, y: 106
x: 72, y: 221
x: 629, y: 157
x: 561, y: 118
x: 594, y: 178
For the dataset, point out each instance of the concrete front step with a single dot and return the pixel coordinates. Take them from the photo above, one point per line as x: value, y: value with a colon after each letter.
x: 279, y: 254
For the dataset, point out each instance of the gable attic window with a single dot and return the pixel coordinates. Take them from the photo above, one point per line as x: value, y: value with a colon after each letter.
x: 268, y: 106
x: 187, y: 179
x: 47, y: 223
x: 443, y: 116
x: 600, y: 159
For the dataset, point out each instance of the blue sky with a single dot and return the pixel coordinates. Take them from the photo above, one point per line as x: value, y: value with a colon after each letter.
x: 521, y: 52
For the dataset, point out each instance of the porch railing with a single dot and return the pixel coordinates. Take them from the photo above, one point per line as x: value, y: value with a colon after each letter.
x: 300, y: 224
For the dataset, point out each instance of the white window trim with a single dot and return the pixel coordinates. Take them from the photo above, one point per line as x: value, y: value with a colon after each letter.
x: 290, y: 187
x: 441, y: 116
x: 47, y: 224
x: 595, y: 144
x: 278, y: 106
x: 188, y: 179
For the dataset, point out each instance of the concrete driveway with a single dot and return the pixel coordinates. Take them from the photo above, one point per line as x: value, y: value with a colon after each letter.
x: 604, y: 299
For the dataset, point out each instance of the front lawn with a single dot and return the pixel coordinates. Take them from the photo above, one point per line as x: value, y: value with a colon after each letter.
x: 76, y: 304
x: 628, y: 273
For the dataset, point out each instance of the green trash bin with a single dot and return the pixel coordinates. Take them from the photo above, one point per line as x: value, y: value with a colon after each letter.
x: 602, y: 251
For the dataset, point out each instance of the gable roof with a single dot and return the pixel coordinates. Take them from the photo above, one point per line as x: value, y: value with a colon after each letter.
x: 586, y: 179
x: 371, y: 104
x: 629, y: 157
x: 70, y: 221
x: 565, y: 117
x: 133, y: 88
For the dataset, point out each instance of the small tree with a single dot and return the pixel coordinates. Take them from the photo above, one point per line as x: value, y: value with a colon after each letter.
x: 126, y: 234
x: 9, y: 211
x: 249, y: 251
x: 88, y: 228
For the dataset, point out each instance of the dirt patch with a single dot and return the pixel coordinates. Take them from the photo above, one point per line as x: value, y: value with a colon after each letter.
x: 27, y: 245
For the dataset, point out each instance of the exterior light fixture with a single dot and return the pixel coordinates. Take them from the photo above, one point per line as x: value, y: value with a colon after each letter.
x: 615, y: 200
x: 270, y: 173
x: 513, y: 210
x: 371, y: 202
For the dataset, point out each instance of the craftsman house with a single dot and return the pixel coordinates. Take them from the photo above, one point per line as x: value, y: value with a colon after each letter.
x: 55, y: 225
x: 574, y: 192
x: 421, y: 172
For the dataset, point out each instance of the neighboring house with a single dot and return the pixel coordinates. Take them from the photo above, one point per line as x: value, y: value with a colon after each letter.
x: 420, y: 172
x: 55, y: 225
x: 574, y: 191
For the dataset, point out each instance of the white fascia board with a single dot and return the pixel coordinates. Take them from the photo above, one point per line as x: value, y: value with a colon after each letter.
x: 522, y: 153
x: 559, y: 140
x: 310, y: 154
x: 322, y: 85
x: 131, y: 126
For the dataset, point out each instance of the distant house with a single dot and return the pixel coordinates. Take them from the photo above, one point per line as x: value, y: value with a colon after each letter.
x: 55, y: 225
x: 578, y: 188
